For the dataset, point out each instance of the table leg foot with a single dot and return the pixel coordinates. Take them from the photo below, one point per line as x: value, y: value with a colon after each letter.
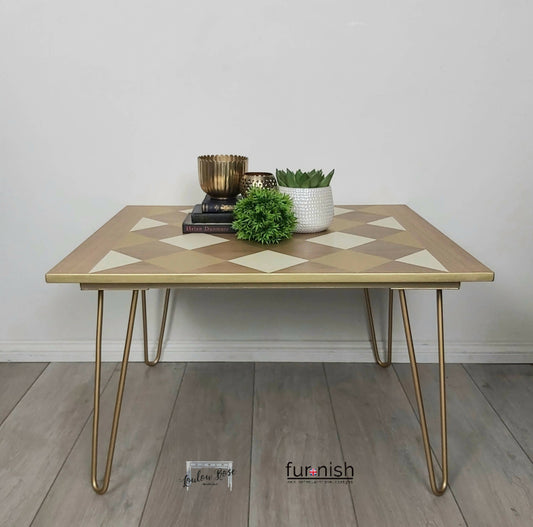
x: 372, y: 331
x: 147, y: 361
x: 102, y: 488
x: 437, y: 489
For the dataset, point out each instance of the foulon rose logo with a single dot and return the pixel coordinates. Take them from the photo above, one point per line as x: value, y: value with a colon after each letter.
x: 208, y: 473
x: 325, y: 473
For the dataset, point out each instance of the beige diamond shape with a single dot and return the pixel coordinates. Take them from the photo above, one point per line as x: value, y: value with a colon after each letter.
x: 193, y: 240
x: 268, y: 261
x: 341, y: 240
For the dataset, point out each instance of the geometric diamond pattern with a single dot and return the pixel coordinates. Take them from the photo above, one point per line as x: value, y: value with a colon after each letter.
x: 146, y: 223
x: 423, y: 259
x: 268, y: 261
x: 341, y: 240
x: 113, y: 259
x: 351, y: 261
x: 389, y: 222
x: 362, y: 239
x: 194, y: 240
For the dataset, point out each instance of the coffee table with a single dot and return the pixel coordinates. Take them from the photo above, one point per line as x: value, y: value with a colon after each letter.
x: 366, y: 247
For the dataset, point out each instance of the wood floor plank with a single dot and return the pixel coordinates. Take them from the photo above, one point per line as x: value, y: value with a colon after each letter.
x: 38, y: 434
x: 509, y: 389
x: 293, y: 421
x: 211, y: 422
x: 491, y: 477
x: 149, y: 397
x: 380, y: 436
x: 15, y: 379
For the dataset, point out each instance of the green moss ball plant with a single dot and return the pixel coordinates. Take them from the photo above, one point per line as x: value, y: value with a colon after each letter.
x: 264, y: 216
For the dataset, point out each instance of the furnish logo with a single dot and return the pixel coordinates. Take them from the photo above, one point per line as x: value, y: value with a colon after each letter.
x: 328, y: 473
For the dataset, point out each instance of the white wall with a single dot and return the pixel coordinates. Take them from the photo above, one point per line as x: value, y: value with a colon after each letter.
x: 104, y: 104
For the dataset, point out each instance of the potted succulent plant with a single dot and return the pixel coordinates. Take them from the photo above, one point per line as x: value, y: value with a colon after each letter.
x: 311, y: 196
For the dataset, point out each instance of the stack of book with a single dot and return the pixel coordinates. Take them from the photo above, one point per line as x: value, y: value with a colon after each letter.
x: 212, y: 215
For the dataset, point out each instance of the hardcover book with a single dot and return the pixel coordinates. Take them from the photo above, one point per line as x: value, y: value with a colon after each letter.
x: 221, y: 228
x: 198, y: 216
x: 210, y: 204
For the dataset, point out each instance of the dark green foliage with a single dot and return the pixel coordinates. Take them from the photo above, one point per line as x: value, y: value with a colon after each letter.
x: 264, y: 216
x: 299, y: 179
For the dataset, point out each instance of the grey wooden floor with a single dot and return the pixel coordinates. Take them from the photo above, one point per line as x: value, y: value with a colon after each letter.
x: 260, y: 417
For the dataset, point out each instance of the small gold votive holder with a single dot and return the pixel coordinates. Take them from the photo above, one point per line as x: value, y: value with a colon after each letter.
x: 220, y: 175
x: 257, y: 180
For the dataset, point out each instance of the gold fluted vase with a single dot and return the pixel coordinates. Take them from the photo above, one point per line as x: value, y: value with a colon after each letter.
x: 220, y: 175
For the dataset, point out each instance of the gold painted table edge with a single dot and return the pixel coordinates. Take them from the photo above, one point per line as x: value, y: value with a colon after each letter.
x: 366, y: 281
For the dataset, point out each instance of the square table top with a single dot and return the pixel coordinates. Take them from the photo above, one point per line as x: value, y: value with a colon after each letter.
x: 380, y: 245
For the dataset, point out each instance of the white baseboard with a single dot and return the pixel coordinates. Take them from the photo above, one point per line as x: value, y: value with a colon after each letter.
x: 253, y: 351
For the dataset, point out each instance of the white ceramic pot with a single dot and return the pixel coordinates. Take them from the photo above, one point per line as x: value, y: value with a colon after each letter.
x: 313, y: 207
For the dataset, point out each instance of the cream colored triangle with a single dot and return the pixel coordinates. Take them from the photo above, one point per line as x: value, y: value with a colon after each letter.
x: 337, y: 211
x: 113, y: 259
x: 423, y: 259
x: 389, y: 222
x: 146, y: 223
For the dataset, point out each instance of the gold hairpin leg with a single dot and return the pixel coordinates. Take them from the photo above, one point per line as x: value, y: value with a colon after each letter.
x: 161, y: 331
x: 372, y: 331
x: 101, y: 489
x: 437, y: 489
